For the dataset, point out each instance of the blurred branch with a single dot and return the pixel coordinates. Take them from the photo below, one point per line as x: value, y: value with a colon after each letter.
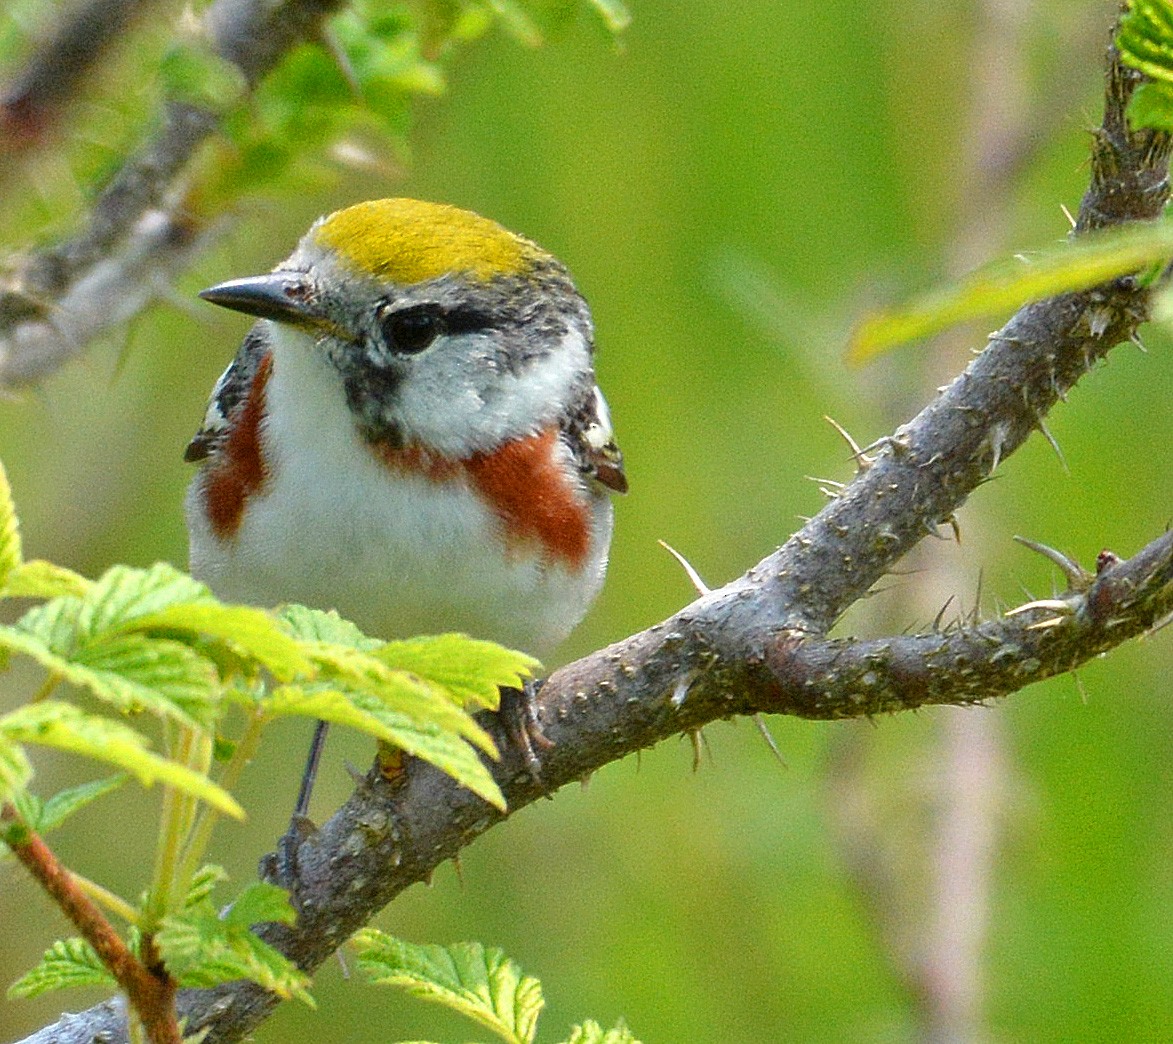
x: 759, y: 644
x: 55, y: 301
x: 57, y: 68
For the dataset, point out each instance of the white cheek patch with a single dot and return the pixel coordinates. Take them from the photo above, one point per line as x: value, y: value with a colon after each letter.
x: 443, y: 406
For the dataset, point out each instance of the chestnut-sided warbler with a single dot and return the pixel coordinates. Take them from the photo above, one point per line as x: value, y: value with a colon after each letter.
x: 412, y: 434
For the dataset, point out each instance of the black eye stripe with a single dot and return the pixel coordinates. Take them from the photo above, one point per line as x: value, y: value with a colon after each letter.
x: 467, y: 320
x: 412, y: 329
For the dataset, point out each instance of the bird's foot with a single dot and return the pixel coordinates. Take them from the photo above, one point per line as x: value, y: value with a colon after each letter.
x: 519, y: 715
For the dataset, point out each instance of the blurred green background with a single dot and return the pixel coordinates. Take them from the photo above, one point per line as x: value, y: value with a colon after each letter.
x: 731, y: 185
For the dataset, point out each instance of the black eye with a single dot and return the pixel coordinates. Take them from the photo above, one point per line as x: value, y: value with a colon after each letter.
x: 411, y: 330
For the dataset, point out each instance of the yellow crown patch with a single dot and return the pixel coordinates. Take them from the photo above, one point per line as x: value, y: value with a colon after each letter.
x: 407, y: 241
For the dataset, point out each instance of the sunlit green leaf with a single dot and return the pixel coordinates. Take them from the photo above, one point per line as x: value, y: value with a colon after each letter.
x: 1145, y: 38
x: 465, y: 977
x: 39, y: 579
x: 362, y: 711
x: 590, y: 1032
x: 15, y: 768
x: 1078, y: 265
x: 396, y: 690
x: 318, y: 625
x: 203, y: 883
x: 250, y: 631
x: 260, y: 903
x: 518, y: 22
x: 68, y: 962
x: 1151, y: 105
x: 470, y: 669
x: 10, y: 549
x: 51, y: 723
x: 169, y: 671
x: 122, y: 595
x: 129, y: 671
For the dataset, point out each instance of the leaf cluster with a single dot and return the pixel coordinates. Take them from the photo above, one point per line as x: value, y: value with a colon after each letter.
x: 147, y: 671
x: 476, y: 981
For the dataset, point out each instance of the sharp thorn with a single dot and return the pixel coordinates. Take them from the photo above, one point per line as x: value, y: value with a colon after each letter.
x: 1078, y: 578
x: 862, y: 460
x: 1058, y: 604
x: 694, y: 577
x: 941, y: 613
x: 760, y: 721
x: 1043, y: 625
x: 1054, y: 445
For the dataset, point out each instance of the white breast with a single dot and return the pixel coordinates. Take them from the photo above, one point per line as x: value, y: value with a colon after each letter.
x: 398, y: 555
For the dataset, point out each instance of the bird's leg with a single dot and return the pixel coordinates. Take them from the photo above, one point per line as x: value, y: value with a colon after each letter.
x: 519, y: 716
x: 283, y: 867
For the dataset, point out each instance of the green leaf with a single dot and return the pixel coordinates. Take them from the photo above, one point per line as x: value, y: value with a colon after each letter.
x: 396, y: 690
x: 466, y: 977
x: 52, y: 723
x: 590, y: 1032
x: 472, y: 671
x: 203, y: 883
x: 50, y: 814
x: 518, y: 22
x: 444, y: 749
x: 250, y: 631
x: 317, y: 625
x: 1151, y: 105
x: 131, y: 671
x: 202, y: 949
x: 68, y: 962
x: 15, y: 769
x: 157, y: 674
x: 260, y: 903
x: 122, y: 595
x: 1145, y: 38
x: 10, y: 550
x: 40, y: 579
x: 194, y: 74
x: 1085, y: 262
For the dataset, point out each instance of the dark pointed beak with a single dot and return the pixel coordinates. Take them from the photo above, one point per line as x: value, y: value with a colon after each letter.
x: 286, y: 297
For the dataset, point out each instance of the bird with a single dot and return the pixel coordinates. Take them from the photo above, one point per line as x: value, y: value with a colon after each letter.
x: 411, y: 434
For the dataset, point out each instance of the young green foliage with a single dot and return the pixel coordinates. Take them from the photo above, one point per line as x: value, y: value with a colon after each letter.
x: 999, y: 288
x: 472, y: 672
x: 202, y: 947
x: 154, y: 640
x: 1145, y: 42
x: 465, y: 977
x: 53, y: 723
x: 414, y: 695
x: 590, y: 1032
x: 44, y: 816
x: 351, y: 95
x: 68, y: 962
x: 480, y: 983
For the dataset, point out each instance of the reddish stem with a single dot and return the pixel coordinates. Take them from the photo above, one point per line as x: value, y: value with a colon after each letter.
x: 149, y: 988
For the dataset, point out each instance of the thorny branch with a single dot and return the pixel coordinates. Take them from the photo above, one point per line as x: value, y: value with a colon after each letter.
x: 759, y: 644
x: 55, y: 301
